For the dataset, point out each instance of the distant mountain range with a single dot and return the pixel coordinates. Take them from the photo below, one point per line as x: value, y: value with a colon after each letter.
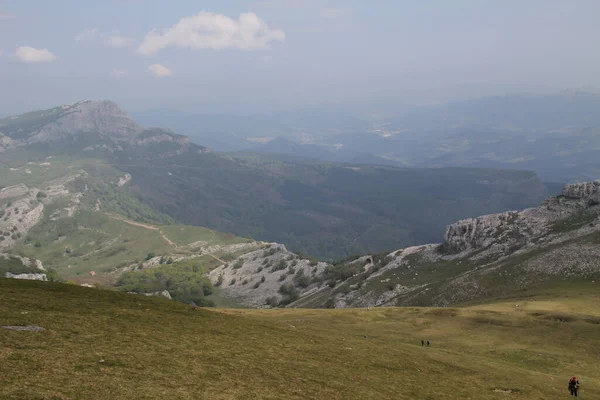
x: 555, y: 135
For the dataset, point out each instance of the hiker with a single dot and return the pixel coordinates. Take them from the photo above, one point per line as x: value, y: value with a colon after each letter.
x: 574, y: 386
x: 422, y: 343
x: 428, y: 343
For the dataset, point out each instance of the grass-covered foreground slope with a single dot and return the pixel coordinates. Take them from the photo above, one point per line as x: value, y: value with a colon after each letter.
x: 106, y: 345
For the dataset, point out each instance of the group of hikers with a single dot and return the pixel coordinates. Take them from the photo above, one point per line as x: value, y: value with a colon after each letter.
x: 573, y: 382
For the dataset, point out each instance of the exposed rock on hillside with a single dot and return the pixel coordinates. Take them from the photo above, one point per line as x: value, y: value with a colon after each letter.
x: 29, y: 277
x: 589, y: 190
x: 480, y: 257
x: 101, y: 117
x: 269, y: 275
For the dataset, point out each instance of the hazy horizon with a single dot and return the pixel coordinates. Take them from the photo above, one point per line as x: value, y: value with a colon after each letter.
x: 266, y: 56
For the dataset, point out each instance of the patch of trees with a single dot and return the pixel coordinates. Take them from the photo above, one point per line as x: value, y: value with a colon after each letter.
x: 184, y: 283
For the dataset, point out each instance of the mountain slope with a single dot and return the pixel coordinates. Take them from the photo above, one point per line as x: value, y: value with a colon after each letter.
x: 100, y: 344
x: 321, y: 209
x: 498, y: 255
x: 102, y: 118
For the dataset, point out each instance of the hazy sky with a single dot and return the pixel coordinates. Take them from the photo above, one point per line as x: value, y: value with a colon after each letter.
x: 263, y: 55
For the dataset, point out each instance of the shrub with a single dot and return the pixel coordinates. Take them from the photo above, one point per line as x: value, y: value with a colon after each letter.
x: 294, y: 263
x: 238, y: 264
x: 149, y: 256
x: 282, y: 277
x: 287, y: 289
x: 265, y: 262
x: 232, y: 282
x: 331, y: 283
x: 288, y: 299
x: 1, y: 238
x: 345, y: 288
x: 37, y: 244
x: 256, y: 285
x: 313, y: 263
x: 219, y: 280
x: 245, y: 282
x: 170, y: 260
x: 263, y: 279
x: 207, y: 289
x: 271, y: 301
x: 259, y: 269
x: 301, y: 280
x: 281, y: 265
x: 204, y: 303
x: 329, y: 304
x: 292, y: 270
x: 41, y: 195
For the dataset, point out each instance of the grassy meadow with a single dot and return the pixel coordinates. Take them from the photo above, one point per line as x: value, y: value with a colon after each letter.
x: 107, y: 345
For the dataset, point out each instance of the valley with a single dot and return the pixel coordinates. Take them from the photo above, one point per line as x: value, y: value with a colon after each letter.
x: 143, y: 210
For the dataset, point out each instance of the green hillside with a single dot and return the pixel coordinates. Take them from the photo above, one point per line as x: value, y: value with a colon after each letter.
x: 328, y: 211
x: 106, y: 345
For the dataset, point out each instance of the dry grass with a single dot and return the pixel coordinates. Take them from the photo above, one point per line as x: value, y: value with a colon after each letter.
x: 154, y: 349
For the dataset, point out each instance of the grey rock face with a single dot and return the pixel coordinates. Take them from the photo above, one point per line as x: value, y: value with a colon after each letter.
x: 162, y: 293
x: 24, y: 328
x: 582, y: 190
x: 102, y: 117
x: 29, y: 277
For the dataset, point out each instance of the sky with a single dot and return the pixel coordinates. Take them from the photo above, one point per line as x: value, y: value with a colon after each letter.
x: 260, y: 56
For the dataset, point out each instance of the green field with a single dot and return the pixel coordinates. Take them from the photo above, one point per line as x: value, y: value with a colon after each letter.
x: 107, y: 345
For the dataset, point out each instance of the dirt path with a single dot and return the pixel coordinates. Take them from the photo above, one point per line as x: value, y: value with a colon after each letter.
x: 167, y: 239
x: 130, y: 222
x: 145, y: 226
x: 216, y: 258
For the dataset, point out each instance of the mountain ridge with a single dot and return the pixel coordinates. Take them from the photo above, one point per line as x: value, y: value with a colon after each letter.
x: 483, y: 257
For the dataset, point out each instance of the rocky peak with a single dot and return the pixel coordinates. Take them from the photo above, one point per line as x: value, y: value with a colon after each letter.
x: 104, y: 118
x: 514, y: 229
x: 582, y: 190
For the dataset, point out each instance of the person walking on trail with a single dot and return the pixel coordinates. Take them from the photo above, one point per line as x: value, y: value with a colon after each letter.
x: 428, y: 343
x: 574, y: 386
x: 422, y: 343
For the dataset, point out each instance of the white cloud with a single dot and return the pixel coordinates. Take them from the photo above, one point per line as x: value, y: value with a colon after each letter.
x: 95, y: 35
x: 28, y: 54
x: 116, y: 40
x: 118, y: 73
x: 160, y: 70
x: 213, y: 31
